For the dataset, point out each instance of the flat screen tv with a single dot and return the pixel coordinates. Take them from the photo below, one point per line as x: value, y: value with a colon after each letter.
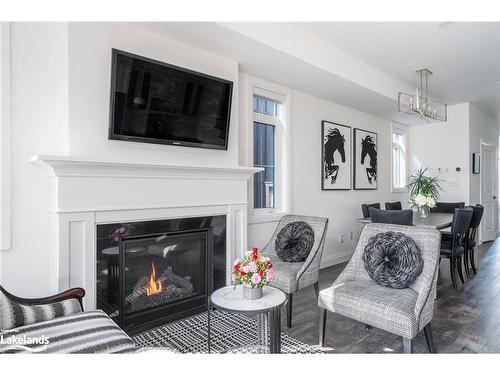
x: 155, y: 102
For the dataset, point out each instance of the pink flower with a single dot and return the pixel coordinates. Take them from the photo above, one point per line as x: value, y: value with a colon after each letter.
x: 233, y: 277
x: 237, y: 261
x: 247, y: 268
x: 256, y: 278
x: 253, y: 266
x: 269, y: 275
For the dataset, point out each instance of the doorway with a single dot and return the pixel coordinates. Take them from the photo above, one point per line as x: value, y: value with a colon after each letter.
x: 489, y: 177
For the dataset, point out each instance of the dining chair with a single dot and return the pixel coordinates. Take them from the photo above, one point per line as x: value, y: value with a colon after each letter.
x: 447, y: 207
x: 366, y: 208
x: 454, y: 248
x: 403, y: 312
x: 399, y: 217
x: 393, y: 206
x: 477, y: 215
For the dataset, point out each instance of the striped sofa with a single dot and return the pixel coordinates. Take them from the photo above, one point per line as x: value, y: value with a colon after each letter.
x: 58, y: 324
x: 83, y: 332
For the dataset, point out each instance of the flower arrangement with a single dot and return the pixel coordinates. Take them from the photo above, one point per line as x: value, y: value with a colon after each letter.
x: 424, y: 191
x: 421, y: 200
x: 253, y: 270
x: 423, y: 203
x: 420, y: 183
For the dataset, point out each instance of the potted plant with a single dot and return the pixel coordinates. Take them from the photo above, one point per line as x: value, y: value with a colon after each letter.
x: 424, y: 191
x: 253, y: 271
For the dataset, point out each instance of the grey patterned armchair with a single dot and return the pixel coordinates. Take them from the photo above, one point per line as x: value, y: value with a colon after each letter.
x: 290, y: 277
x: 404, y: 312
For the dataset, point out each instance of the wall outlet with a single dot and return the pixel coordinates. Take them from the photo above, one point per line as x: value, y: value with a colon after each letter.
x: 342, y: 238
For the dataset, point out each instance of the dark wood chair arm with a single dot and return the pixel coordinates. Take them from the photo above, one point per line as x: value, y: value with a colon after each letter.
x: 77, y: 293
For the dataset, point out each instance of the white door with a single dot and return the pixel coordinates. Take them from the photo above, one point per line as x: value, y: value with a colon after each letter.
x: 489, y: 191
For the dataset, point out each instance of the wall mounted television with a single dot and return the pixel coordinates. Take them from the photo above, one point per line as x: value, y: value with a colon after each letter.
x: 155, y: 102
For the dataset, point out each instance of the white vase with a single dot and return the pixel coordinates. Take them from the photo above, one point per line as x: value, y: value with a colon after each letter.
x: 252, y: 293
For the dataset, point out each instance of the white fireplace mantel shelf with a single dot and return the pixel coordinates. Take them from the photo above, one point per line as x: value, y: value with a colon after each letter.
x: 66, y: 166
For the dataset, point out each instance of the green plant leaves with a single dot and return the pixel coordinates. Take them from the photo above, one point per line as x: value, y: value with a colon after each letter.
x: 419, y: 183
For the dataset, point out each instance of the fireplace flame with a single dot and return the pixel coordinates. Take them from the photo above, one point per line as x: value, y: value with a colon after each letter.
x: 154, y: 286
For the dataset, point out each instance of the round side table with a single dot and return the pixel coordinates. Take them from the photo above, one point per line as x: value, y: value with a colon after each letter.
x: 267, y: 308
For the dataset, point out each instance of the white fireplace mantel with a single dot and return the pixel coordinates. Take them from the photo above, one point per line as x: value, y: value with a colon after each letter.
x: 65, y: 166
x: 85, y: 193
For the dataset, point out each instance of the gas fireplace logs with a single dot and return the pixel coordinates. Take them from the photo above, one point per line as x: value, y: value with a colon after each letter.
x: 169, y: 287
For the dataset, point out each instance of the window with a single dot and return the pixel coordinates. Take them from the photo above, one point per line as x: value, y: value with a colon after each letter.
x: 398, y: 158
x: 264, y: 157
x: 268, y: 132
x: 266, y: 124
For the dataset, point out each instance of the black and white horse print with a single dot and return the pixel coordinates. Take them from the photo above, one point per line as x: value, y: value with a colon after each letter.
x: 334, y: 142
x: 368, y: 147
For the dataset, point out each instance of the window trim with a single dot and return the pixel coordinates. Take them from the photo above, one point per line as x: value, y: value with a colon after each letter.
x: 402, y: 130
x: 282, y: 193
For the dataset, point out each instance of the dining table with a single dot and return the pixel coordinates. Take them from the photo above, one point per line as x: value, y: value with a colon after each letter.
x: 437, y: 220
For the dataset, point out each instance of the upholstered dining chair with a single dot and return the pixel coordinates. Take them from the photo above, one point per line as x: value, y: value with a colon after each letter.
x: 365, y: 207
x: 403, y: 312
x: 400, y: 217
x: 293, y: 276
x: 477, y: 215
x: 447, y: 207
x: 393, y: 205
x: 454, y: 248
x: 470, y: 244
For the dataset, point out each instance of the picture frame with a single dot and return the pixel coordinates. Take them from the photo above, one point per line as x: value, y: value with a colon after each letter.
x: 335, y: 156
x: 476, y: 163
x: 365, y: 160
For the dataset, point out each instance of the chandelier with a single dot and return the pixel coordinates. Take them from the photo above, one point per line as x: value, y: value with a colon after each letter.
x: 420, y: 104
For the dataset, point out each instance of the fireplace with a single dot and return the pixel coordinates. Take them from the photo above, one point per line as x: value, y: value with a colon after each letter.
x: 153, y: 272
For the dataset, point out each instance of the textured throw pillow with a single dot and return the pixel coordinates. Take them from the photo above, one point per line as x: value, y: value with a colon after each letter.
x: 14, y: 314
x: 393, y: 259
x: 294, y: 242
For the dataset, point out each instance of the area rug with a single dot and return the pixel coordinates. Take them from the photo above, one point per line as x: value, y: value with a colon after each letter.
x: 228, y: 331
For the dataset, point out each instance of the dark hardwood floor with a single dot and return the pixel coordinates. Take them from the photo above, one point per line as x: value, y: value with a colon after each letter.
x: 466, y: 321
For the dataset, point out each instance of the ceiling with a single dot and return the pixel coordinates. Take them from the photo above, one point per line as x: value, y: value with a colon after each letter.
x: 464, y: 56
x: 359, y: 64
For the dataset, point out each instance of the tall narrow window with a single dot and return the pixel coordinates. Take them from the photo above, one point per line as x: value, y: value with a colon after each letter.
x: 265, y: 128
x: 399, y: 172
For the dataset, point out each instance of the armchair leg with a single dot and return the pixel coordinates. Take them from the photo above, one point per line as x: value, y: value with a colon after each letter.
x: 322, y: 326
x: 407, y: 346
x: 316, y: 289
x: 289, y: 297
x: 429, y: 339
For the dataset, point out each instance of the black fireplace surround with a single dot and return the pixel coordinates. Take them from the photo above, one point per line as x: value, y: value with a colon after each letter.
x: 153, y: 272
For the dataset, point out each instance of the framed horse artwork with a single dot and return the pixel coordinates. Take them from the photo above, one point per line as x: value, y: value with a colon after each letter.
x: 365, y: 160
x: 336, y: 156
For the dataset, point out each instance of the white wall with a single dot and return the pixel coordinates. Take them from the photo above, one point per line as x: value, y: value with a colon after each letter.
x: 482, y: 128
x: 450, y: 145
x: 39, y: 118
x: 90, y: 47
x: 341, y: 207
x: 61, y: 76
x: 446, y: 146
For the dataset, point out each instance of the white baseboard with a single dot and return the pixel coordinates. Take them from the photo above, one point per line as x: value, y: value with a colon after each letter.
x: 336, y: 258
